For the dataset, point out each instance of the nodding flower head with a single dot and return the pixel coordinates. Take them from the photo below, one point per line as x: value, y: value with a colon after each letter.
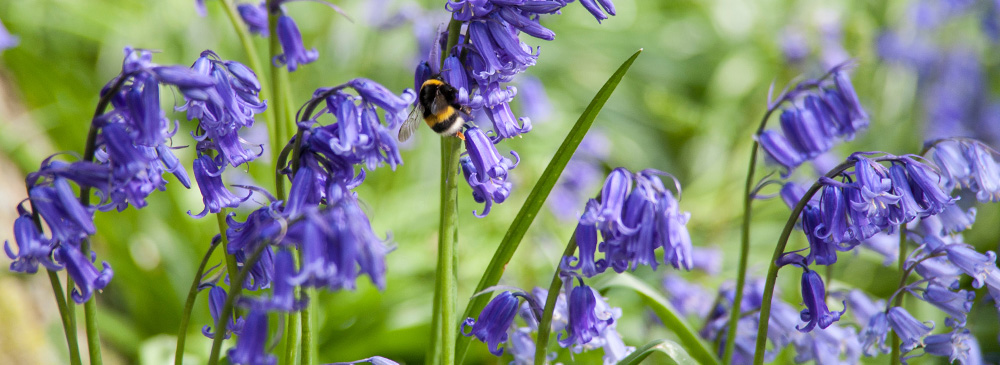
x: 227, y: 107
x: 485, y: 169
x: 83, y: 272
x: 283, y: 296
x: 814, y: 297
x: 586, y: 241
x: 492, y: 324
x: 68, y: 220
x: 216, y: 300
x: 358, y: 136
x: 291, y: 44
x: 956, y: 345
x: 820, y: 112
x: 255, y: 17
x: 33, y: 248
x: 589, y: 317
x: 251, y: 347
x: 214, y: 193
x: 909, y: 329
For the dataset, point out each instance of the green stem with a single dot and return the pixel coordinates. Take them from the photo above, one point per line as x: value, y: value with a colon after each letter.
x: 741, y: 273
x: 772, y: 271
x: 70, y: 331
x: 291, y: 338
x: 189, y: 304
x: 444, y: 324
x: 545, y: 326
x: 235, y: 289
x: 308, y: 356
x: 90, y: 321
x: 899, y: 298
x: 445, y: 328
x: 279, y: 87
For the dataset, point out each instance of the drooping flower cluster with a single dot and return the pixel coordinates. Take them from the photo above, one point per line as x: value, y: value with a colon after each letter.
x: 321, y: 218
x: 819, y: 113
x: 131, y: 146
x: 862, y: 205
x: 584, y: 322
x: 633, y: 224
x: 496, y: 54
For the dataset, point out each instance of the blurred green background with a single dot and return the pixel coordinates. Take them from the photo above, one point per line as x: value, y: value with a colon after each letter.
x: 689, y: 106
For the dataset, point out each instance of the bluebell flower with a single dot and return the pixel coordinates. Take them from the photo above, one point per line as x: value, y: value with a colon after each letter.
x: 862, y: 307
x: 956, y: 304
x: 33, y: 247
x: 874, y: 333
x: 833, y: 345
x: 7, y: 40
x: 814, y: 297
x: 956, y: 345
x: 821, y: 251
x: 214, y: 193
x: 255, y: 17
x: 586, y: 241
x: 805, y: 133
x: 875, y: 189
x: 910, y: 331
x: 338, y: 245
x: 251, y: 347
x: 486, y: 170
x: 833, y: 227
x: 791, y: 193
x: 521, y: 346
x: 985, y: 177
x: 229, y: 106
x: 260, y: 227
x: 136, y: 170
x: 83, y: 173
x: 216, y: 301
x: 68, y: 220
x: 981, y: 267
x: 261, y: 273
x: 492, y: 324
x: 925, y: 184
x: 294, y: 53
x: 613, y: 196
x: 586, y: 321
x: 822, y: 112
x: 283, y: 294
x: 949, y: 157
x: 82, y: 271
x: 779, y: 150
x: 939, y: 269
x: 359, y: 135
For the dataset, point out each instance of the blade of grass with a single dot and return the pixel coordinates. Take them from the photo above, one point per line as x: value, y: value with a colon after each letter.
x: 673, y: 350
x: 698, y: 349
x: 512, y: 239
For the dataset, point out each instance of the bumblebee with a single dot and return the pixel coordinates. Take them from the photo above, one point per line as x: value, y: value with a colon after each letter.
x: 438, y: 104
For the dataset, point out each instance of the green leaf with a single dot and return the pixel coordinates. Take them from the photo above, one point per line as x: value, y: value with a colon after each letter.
x: 535, y: 200
x: 668, y: 315
x: 673, y: 351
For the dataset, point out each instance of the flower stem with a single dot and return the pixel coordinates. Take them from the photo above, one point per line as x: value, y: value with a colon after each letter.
x: 902, y: 282
x: 291, y: 337
x: 444, y: 326
x: 545, y: 326
x: 307, y: 338
x: 772, y: 271
x: 90, y: 321
x: 741, y: 273
x: 189, y: 303
x: 227, y: 310
x: 68, y: 329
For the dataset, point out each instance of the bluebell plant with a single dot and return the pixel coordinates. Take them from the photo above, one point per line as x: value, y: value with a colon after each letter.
x: 317, y: 235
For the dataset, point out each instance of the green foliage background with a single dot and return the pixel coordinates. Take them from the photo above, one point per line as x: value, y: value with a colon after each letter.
x: 688, y: 106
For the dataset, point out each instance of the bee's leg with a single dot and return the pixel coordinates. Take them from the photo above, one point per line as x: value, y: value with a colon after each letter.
x: 460, y: 135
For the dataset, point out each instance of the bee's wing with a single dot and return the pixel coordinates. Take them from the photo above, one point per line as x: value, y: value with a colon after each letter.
x: 410, y: 125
